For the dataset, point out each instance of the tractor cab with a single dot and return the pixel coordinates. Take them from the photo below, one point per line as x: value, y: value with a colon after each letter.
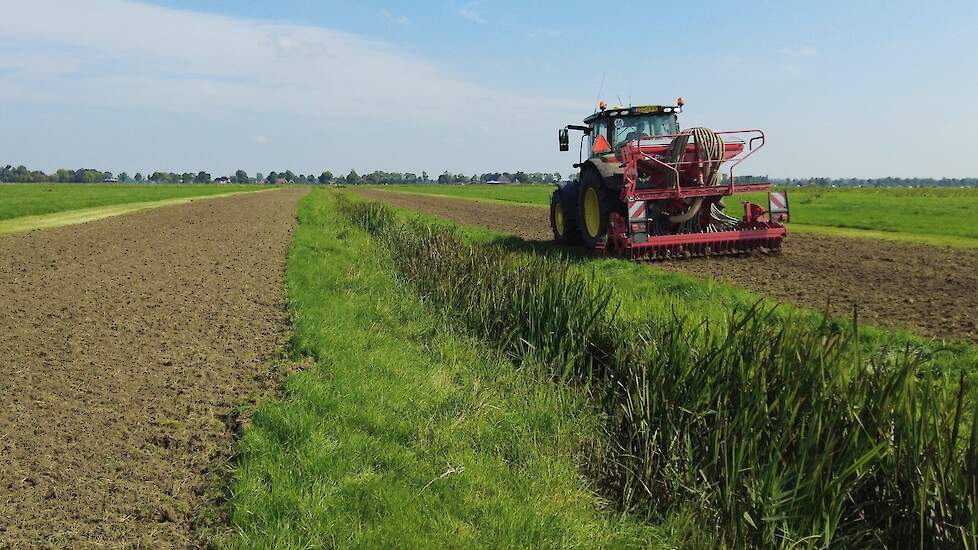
x: 611, y: 129
x: 608, y: 130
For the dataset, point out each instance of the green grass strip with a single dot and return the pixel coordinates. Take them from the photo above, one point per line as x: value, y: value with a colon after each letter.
x: 532, y: 194
x: 83, y: 215
x: 407, y: 433
x: 34, y: 199
x: 474, y: 198
x: 917, y: 238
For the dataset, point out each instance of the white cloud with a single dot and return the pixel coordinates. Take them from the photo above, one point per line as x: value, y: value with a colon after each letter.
x: 468, y: 12
x: 803, y: 51
x: 397, y: 19
x: 120, y: 53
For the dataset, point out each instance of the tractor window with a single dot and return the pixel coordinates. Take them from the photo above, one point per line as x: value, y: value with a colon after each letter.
x: 634, y: 127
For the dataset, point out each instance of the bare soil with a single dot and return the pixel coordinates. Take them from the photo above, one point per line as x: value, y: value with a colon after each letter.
x: 125, y: 345
x: 930, y: 290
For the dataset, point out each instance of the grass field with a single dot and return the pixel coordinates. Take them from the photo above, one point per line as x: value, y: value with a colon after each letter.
x: 524, y: 194
x: 779, y: 429
x: 927, y: 215
x: 406, y: 431
x: 20, y: 200
x: 944, y: 215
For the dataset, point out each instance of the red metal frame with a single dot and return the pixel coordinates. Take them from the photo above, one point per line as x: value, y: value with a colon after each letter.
x: 634, y: 154
x: 756, y: 232
x: 724, y: 190
x: 759, y: 235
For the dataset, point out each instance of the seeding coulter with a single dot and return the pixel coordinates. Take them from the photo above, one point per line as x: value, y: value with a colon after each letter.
x: 649, y: 190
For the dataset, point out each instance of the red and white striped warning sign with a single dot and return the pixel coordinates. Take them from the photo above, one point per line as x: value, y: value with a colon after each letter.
x: 777, y: 205
x: 636, y: 210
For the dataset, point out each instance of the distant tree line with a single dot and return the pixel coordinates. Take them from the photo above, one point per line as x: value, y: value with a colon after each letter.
x: 21, y: 174
x: 447, y: 177
x: 864, y: 182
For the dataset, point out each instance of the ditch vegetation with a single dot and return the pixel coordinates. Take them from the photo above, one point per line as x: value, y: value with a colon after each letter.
x: 403, y: 430
x: 768, y: 429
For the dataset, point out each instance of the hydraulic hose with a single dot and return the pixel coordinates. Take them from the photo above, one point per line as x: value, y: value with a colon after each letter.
x: 693, y: 210
x: 709, y: 153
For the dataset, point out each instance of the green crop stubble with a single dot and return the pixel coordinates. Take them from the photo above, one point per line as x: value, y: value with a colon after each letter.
x: 407, y: 432
x: 776, y: 431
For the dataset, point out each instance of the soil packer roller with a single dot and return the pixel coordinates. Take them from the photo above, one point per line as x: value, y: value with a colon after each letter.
x: 649, y: 190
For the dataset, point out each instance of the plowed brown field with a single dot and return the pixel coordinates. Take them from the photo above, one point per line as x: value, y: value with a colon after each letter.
x: 931, y: 290
x: 124, y: 345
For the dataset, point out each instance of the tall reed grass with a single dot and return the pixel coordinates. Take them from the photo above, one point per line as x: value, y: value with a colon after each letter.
x: 773, y: 432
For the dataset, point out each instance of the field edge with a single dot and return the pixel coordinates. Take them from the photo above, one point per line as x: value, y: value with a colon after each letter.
x: 25, y: 224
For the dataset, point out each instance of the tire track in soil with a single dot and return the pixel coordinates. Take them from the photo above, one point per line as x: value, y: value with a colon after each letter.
x: 930, y: 290
x: 125, y: 344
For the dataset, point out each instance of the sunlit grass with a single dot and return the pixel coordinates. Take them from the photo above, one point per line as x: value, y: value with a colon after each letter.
x: 32, y: 199
x: 925, y: 211
x: 524, y: 194
x: 778, y: 428
x: 407, y: 432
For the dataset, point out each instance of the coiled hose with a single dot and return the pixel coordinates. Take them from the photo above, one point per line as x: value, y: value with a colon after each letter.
x: 709, y: 152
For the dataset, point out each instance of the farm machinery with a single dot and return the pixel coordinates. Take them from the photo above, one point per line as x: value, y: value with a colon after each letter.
x: 649, y: 190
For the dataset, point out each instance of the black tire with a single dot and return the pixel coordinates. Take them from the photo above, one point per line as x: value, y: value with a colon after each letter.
x: 591, y: 183
x: 566, y: 233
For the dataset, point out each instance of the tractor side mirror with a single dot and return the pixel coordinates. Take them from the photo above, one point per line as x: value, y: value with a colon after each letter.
x: 563, y: 139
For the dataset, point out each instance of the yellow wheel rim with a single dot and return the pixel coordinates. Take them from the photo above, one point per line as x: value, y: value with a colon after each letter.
x: 559, y: 218
x: 592, y: 212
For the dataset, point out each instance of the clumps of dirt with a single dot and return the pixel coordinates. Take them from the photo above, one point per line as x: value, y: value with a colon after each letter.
x: 927, y: 289
x: 930, y: 290
x: 126, y: 345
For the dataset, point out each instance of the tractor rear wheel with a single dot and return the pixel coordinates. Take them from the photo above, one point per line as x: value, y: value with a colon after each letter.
x: 592, y: 208
x: 563, y: 221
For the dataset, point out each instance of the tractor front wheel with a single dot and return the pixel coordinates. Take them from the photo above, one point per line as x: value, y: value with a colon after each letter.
x: 592, y: 208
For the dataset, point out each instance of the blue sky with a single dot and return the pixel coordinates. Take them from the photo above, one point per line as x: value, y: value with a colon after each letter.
x: 861, y: 89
